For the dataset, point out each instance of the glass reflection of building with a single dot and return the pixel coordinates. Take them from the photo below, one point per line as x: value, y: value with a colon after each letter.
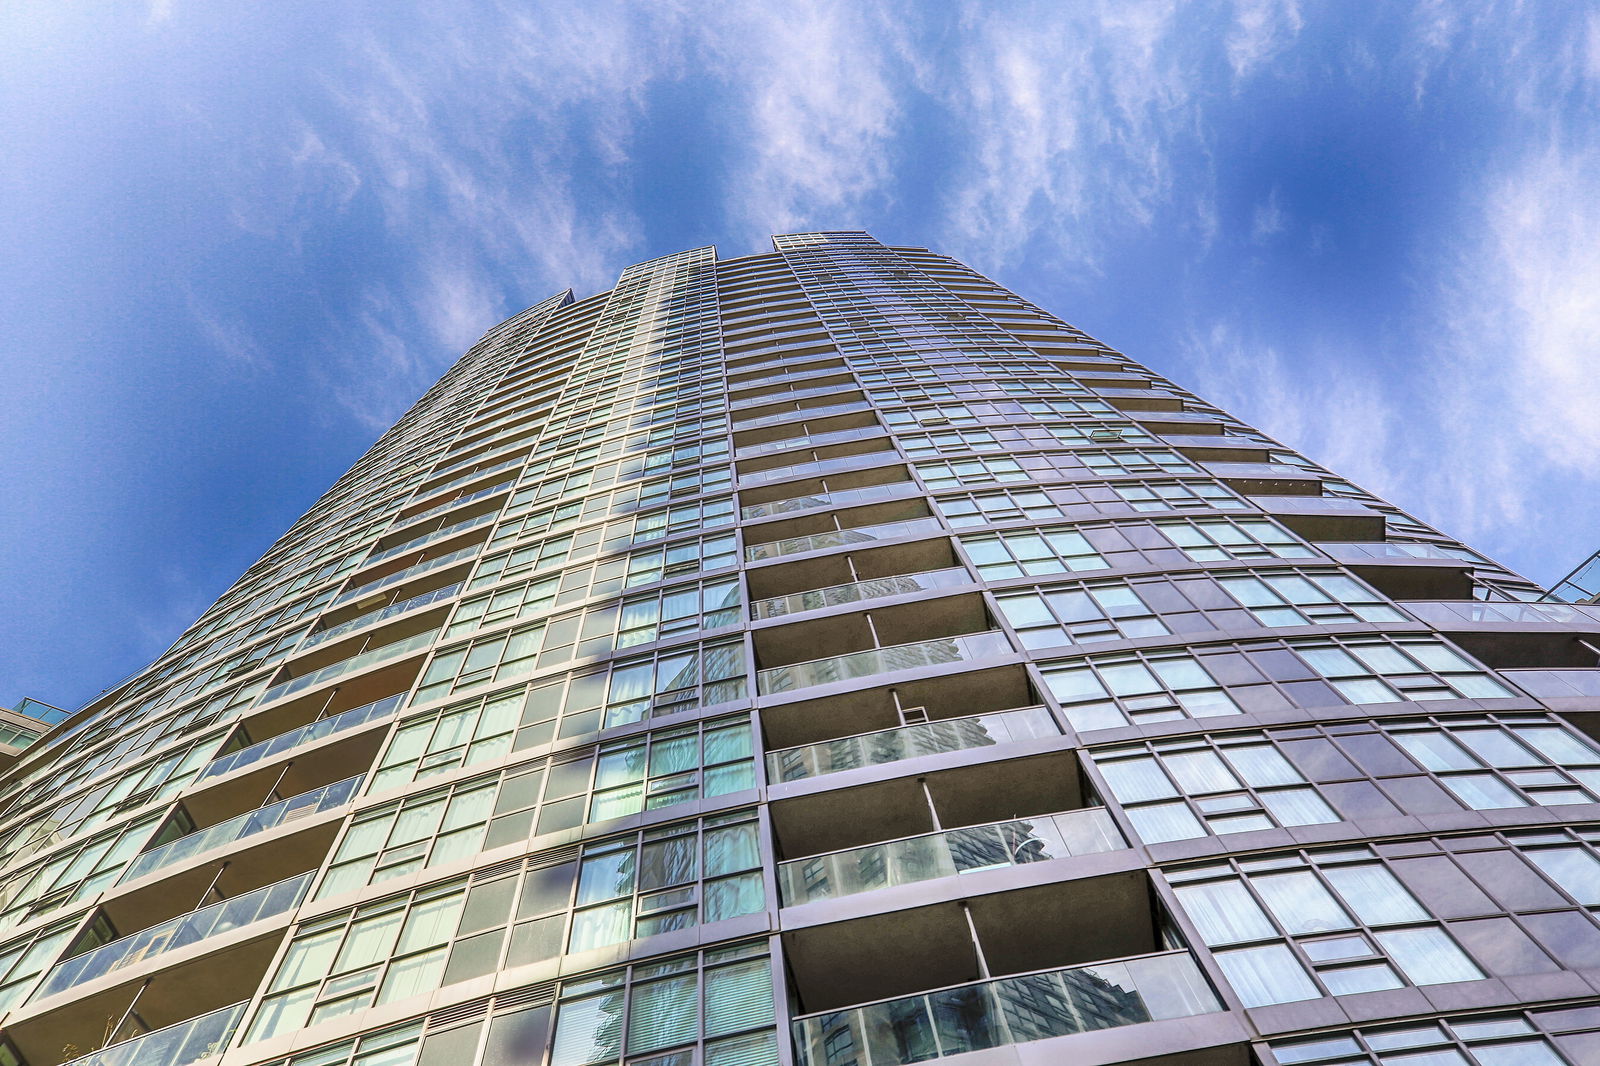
x: 816, y: 657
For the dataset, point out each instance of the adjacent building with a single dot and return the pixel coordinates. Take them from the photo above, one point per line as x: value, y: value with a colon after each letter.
x: 824, y: 658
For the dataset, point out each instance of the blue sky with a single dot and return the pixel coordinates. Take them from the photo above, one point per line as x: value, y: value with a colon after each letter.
x: 241, y: 238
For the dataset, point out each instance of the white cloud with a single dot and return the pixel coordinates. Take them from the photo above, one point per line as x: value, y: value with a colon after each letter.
x: 1262, y: 30
x: 1266, y: 220
x: 811, y: 97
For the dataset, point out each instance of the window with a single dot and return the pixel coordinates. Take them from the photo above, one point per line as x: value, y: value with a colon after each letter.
x: 1084, y: 614
x: 1136, y: 461
x: 23, y: 960
x: 1100, y: 693
x: 1179, y: 496
x: 621, y: 778
x: 1327, y: 922
x: 1031, y: 552
x: 644, y: 619
x: 953, y: 472
x: 719, y: 1001
x: 1209, y: 540
x: 349, y: 962
x: 982, y: 508
x: 1491, y: 762
x: 1373, y: 670
x: 1173, y: 790
x: 667, y: 878
x: 1476, y: 1040
x: 68, y: 875
x: 1312, y: 598
x: 672, y: 676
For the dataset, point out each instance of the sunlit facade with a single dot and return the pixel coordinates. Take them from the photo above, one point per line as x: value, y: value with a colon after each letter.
x: 824, y: 658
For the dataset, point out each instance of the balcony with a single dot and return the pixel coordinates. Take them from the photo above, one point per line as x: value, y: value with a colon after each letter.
x: 838, y: 498
x: 1334, y: 518
x: 450, y: 505
x: 306, y: 734
x: 382, y: 614
x: 1267, y: 479
x: 839, y: 538
x: 215, y: 920
x: 857, y: 591
x: 947, y: 854
x: 466, y: 525
x: 1495, y: 612
x: 815, y: 439
x: 1006, y: 1010
x: 883, y: 452
x: 177, y: 1045
x: 377, y: 585
x: 1407, y: 570
x: 909, y: 742
x: 789, y: 414
x: 969, y: 647
x: 843, y: 381
x: 415, y: 642
x: 241, y: 827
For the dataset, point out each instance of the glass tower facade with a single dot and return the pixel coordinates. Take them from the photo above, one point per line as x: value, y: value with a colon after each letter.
x: 824, y: 658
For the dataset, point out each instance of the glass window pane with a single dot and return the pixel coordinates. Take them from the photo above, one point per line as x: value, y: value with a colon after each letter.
x: 1267, y: 974
x: 1224, y: 912
x: 1300, y: 903
x: 1427, y: 956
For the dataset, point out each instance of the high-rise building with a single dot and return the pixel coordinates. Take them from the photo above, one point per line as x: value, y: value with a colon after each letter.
x: 827, y: 658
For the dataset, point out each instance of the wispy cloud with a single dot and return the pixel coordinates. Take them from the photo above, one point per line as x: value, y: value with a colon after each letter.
x: 811, y: 91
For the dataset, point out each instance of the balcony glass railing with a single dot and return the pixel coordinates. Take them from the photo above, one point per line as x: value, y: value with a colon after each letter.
x: 837, y: 498
x: 1361, y: 550
x: 882, y: 660
x: 1556, y: 684
x: 442, y: 533
x: 1444, y: 612
x: 457, y: 502
x: 400, y: 576
x: 382, y: 614
x: 909, y: 742
x: 245, y: 825
x: 815, y: 440
x: 856, y: 591
x: 345, y: 666
x: 473, y: 475
x: 946, y: 854
x: 818, y: 467
x: 180, y: 932
x: 794, y: 394
x: 294, y: 738
x: 177, y: 1045
x: 838, y: 538
x: 1007, y: 1010
x: 806, y: 412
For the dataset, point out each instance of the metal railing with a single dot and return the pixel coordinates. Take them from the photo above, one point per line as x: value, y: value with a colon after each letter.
x: 1006, y: 1010
x: 382, y: 614
x: 180, y: 932
x: 240, y: 826
x: 837, y: 498
x: 909, y: 742
x: 882, y: 660
x: 856, y: 591
x: 837, y: 538
x: 176, y: 1045
x: 802, y: 412
x: 345, y: 666
x: 442, y: 533
x: 334, y: 723
x: 1356, y: 551
x: 818, y: 467
x: 416, y: 569
x: 947, y: 854
x: 815, y: 440
x: 1556, y: 684
x: 1444, y: 612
